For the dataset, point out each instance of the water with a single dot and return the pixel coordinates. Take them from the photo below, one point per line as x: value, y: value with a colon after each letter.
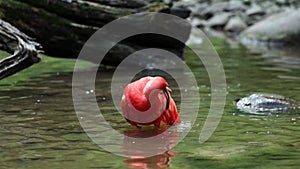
x: 39, y: 127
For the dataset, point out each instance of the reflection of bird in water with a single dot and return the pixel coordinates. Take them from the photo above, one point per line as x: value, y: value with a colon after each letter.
x: 157, y: 161
x: 148, y: 101
x: 153, y: 153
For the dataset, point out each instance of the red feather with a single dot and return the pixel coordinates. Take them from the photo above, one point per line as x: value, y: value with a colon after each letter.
x: 147, y: 101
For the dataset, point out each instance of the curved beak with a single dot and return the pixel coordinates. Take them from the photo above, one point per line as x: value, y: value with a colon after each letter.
x: 167, y: 94
x: 168, y: 89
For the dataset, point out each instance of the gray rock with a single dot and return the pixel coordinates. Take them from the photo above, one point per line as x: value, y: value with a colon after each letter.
x: 255, y: 10
x: 285, y: 2
x: 235, y: 24
x: 247, y: 2
x: 236, y: 5
x: 180, y: 12
x: 273, y: 9
x: 198, y: 22
x: 281, y: 1
x: 282, y: 28
x: 120, y: 3
x: 262, y: 103
x: 197, y: 8
x: 214, y: 33
x: 219, y: 20
x: 217, y: 7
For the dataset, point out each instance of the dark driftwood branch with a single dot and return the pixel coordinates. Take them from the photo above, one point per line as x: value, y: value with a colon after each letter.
x: 24, y: 49
x: 63, y: 26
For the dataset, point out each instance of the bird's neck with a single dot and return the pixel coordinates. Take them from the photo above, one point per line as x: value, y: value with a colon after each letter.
x: 151, y: 87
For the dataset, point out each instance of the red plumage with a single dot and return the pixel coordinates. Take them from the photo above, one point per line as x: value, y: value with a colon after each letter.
x: 148, y: 101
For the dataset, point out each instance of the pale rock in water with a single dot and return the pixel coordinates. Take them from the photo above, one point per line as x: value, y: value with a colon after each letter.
x: 260, y: 103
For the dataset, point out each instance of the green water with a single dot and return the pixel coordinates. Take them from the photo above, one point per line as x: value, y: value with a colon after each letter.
x: 39, y: 127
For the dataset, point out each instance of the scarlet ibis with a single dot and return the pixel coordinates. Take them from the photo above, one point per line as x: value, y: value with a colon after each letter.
x: 148, y: 101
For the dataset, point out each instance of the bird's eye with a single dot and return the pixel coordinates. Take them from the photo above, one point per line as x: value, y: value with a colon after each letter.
x: 248, y: 104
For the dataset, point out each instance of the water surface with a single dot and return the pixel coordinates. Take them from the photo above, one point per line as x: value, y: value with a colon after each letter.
x: 39, y: 127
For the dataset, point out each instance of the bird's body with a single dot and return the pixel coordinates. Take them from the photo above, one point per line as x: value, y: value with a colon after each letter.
x: 147, y: 101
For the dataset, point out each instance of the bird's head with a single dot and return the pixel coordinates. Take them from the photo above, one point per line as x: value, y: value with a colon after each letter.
x: 158, y: 84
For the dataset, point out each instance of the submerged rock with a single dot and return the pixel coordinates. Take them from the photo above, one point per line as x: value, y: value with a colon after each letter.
x: 260, y: 103
x: 277, y: 29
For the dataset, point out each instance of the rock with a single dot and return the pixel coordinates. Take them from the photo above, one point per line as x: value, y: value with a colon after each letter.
x: 282, y: 28
x: 247, y: 2
x: 180, y: 12
x: 284, y: 2
x: 204, y: 10
x: 125, y: 4
x: 281, y: 1
x: 254, y: 14
x: 214, y: 33
x: 217, y: 7
x: 198, y: 22
x: 197, y: 8
x: 219, y: 20
x: 273, y: 9
x: 235, y: 5
x: 255, y: 10
x: 210, y: 11
x: 262, y: 103
x: 235, y: 24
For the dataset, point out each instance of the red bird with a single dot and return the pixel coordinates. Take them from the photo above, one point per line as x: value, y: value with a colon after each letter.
x: 148, y: 101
